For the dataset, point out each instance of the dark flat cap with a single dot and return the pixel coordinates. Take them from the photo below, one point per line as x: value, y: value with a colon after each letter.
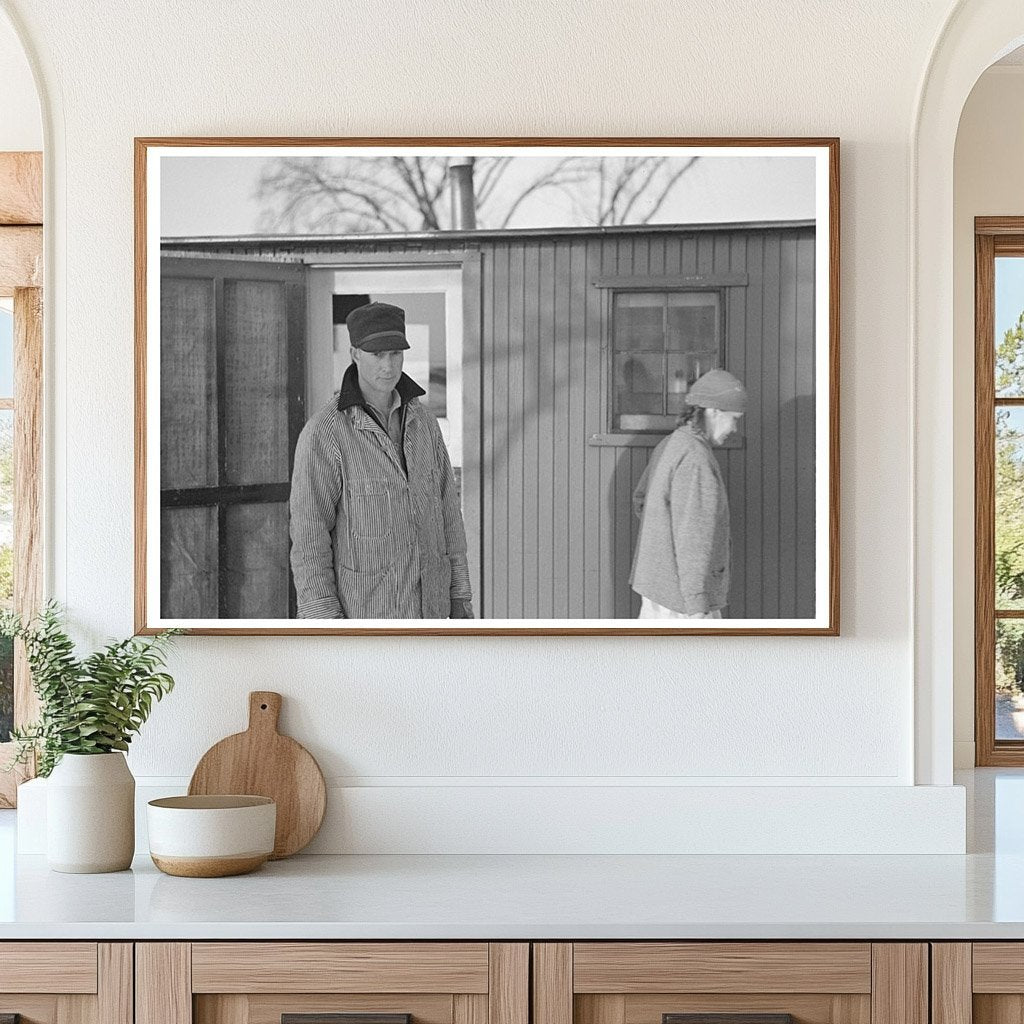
x: 377, y: 327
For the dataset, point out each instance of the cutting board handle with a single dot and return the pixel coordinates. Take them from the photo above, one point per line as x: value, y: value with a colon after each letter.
x: 264, y: 710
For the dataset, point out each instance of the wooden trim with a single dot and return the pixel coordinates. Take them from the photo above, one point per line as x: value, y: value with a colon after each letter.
x: 999, y: 225
x: 292, y: 627
x: 69, y: 968
x: 995, y: 236
x: 508, y: 989
x: 11, y: 780
x: 469, y: 1009
x: 984, y: 502
x: 663, y: 284
x: 997, y: 967
x: 552, y: 983
x: 141, y: 582
x: 21, y: 258
x: 163, y: 983
x: 115, y: 983
x: 21, y: 188
x: 339, y: 967
x: 833, y: 378
x: 606, y: 1009
x: 899, y: 988
x: 635, y: 967
x: 147, y: 141
x: 28, y: 483
x: 951, y: 983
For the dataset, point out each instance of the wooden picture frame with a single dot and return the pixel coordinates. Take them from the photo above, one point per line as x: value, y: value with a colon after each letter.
x: 542, y: 414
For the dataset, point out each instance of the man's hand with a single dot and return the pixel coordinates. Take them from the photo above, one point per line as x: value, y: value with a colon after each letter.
x: 461, y: 609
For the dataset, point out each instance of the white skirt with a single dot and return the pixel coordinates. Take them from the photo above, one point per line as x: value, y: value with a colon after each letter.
x: 650, y: 610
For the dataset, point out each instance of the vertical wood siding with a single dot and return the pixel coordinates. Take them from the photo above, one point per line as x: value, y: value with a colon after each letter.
x: 557, y: 528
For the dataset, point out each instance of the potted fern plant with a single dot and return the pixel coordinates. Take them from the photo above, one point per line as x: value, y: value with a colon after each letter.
x: 90, y: 707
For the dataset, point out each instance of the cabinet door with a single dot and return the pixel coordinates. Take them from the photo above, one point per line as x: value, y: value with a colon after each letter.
x: 66, y: 982
x: 332, y: 983
x: 981, y: 982
x: 730, y: 983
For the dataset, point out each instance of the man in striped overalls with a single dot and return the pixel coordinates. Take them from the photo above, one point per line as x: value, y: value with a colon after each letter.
x: 376, y: 526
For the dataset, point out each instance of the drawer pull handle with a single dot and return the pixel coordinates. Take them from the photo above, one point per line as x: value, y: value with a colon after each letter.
x: 727, y: 1018
x: 342, y: 1018
x: 10, y: 1018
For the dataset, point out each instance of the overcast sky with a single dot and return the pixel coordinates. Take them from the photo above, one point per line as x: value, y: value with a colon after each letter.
x: 215, y: 194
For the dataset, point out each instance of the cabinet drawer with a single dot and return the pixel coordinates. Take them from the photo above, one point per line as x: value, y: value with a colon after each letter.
x: 332, y: 983
x: 340, y: 967
x: 750, y: 967
x: 730, y: 983
x: 64, y: 967
x: 66, y: 982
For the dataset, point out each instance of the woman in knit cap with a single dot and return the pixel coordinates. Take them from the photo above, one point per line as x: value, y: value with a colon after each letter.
x: 681, y: 563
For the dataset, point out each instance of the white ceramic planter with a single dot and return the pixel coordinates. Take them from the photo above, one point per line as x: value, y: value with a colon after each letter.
x: 90, y: 814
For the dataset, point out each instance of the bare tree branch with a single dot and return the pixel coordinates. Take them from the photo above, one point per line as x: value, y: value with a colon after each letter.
x: 396, y: 193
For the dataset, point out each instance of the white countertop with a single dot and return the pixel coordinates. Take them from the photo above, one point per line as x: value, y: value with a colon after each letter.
x: 516, y: 897
x: 976, y: 896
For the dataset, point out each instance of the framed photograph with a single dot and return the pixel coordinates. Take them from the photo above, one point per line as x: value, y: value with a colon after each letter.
x: 497, y: 386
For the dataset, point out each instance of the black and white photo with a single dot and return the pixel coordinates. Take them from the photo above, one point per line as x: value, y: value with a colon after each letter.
x: 548, y: 386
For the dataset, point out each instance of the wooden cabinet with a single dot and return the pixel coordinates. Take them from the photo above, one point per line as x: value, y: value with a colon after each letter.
x: 66, y: 982
x: 512, y: 982
x: 978, y: 983
x: 651, y: 982
x: 262, y: 982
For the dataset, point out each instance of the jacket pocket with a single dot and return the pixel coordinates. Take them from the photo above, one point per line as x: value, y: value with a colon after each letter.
x: 369, y: 507
x: 368, y: 595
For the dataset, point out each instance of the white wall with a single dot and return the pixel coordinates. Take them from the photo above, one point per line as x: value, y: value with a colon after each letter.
x: 432, y: 716
x: 987, y: 182
x: 21, y: 127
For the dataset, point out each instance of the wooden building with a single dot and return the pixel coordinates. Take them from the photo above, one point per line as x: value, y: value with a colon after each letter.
x: 564, y: 364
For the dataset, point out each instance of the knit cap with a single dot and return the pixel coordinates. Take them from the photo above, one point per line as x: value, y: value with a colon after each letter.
x: 718, y: 389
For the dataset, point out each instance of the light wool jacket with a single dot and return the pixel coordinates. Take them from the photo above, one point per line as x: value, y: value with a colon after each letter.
x: 376, y: 528
x: 683, y: 549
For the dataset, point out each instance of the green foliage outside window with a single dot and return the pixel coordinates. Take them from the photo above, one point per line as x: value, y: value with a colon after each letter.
x: 1009, y: 510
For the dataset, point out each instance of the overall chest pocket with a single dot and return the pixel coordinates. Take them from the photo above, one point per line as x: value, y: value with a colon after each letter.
x: 369, y: 508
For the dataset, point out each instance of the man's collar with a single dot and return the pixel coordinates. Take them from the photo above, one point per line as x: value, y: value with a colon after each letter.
x: 351, y: 393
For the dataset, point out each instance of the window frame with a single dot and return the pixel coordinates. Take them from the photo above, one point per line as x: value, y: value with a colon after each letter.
x: 614, y: 351
x: 609, y: 288
x: 994, y: 237
x: 21, y: 260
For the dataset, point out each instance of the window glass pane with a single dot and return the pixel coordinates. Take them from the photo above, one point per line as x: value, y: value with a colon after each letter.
x: 640, y: 321
x: 692, y: 322
x: 6, y: 353
x: 1009, y: 327
x: 1009, y: 679
x: 1009, y: 512
x: 6, y: 567
x: 639, y: 382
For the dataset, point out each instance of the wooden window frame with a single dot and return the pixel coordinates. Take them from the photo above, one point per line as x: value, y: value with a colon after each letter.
x: 993, y: 237
x: 719, y: 284
x: 21, y: 272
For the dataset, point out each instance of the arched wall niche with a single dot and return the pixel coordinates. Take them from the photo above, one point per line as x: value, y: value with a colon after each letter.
x: 976, y: 34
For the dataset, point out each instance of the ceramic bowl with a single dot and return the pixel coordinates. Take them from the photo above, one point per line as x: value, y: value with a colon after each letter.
x: 211, y: 836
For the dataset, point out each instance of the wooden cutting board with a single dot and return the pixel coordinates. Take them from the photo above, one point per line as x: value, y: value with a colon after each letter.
x: 262, y: 762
